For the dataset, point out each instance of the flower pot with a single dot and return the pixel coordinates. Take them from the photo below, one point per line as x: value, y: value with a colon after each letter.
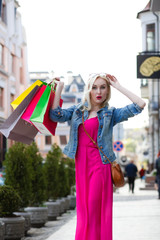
x: 27, y: 217
x: 53, y: 210
x: 62, y: 205
x: 1, y: 230
x: 39, y: 216
x: 72, y: 200
x: 14, y: 227
x: 67, y: 203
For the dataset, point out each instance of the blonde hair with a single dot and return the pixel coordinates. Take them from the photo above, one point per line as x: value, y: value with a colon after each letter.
x: 88, y: 88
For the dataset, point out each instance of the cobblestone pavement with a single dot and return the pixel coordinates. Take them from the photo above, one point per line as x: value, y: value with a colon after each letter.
x: 50, y: 227
x: 135, y: 216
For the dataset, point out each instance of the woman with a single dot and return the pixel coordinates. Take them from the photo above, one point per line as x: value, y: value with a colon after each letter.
x: 94, y: 190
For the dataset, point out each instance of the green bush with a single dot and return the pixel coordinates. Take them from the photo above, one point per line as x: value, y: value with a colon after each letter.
x: 63, y: 180
x: 17, y: 172
x: 10, y: 201
x: 51, y: 167
x: 71, y: 171
x: 37, y: 175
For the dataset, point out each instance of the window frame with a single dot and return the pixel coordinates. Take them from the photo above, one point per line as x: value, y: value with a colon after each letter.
x: 1, y: 98
x: 151, y: 28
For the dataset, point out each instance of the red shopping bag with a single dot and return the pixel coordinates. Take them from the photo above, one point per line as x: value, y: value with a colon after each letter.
x: 40, y: 116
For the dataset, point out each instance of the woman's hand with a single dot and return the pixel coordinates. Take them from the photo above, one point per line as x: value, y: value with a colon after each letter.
x: 59, y: 88
x: 133, y: 97
x: 113, y: 81
x: 59, y: 84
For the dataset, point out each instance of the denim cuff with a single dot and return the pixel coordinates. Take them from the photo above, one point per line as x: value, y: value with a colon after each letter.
x: 134, y: 108
x: 139, y: 109
x: 57, y: 112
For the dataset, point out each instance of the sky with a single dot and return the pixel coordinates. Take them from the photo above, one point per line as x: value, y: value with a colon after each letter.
x: 85, y: 36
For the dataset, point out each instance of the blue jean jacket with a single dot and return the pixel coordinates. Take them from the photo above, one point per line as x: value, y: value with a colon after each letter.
x: 107, y: 117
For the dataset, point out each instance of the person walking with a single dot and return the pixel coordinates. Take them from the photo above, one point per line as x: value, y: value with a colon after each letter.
x: 94, y: 187
x: 131, y: 172
x: 158, y: 173
x: 142, y: 173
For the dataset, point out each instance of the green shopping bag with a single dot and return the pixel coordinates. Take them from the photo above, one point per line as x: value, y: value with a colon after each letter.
x: 40, y: 116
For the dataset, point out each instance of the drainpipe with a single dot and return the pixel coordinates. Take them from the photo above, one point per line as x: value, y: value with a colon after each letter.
x: 157, y: 17
x: 155, y: 6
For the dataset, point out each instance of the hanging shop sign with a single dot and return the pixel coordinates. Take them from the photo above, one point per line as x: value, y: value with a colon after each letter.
x: 148, y: 66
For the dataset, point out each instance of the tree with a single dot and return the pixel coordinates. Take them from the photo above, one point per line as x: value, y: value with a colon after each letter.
x: 17, y: 172
x: 37, y: 175
x: 51, y: 167
x: 10, y: 201
x: 64, y: 189
x: 130, y: 146
x: 71, y: 171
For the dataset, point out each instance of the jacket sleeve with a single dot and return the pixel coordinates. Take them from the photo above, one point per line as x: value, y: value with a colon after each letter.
x: 122, y: 114
x: 61, y: 115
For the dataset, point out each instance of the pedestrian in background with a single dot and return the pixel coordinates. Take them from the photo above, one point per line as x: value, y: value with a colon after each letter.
x: 158, y: 173
x: 94, y: 187
x: 142, y: 173
x: 131, y: 172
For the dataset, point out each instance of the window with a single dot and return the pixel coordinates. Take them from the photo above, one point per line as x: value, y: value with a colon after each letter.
x: 13, y: 63
x: 11, y: 100
x: 150, y: 37
x: 21, y: 75
x: 2, y: 148
x: 48, y: 140
x: 1, y: 97
x: 63, y: 140
x: 1, y: 54
x: 12, y: 97
x: 3, y: 13
x: 144, y: 82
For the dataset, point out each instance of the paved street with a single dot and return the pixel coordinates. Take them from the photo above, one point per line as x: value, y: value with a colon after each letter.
x: 135, y: 216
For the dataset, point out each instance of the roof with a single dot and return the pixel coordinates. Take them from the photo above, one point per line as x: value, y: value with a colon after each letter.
x: 80, y: 85
x: 146, y: 9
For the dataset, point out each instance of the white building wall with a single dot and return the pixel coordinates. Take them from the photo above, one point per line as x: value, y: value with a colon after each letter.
x: 12, y: 39
x: 154, y: 98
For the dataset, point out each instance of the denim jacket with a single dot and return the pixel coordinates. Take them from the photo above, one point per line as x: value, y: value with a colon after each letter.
x: 107, y: 117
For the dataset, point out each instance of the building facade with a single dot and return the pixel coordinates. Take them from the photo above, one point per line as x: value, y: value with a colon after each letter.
x: 13, y: 62
x: 148, y: 70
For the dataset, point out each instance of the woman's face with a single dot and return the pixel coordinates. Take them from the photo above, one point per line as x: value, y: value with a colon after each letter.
x: 99, y: 91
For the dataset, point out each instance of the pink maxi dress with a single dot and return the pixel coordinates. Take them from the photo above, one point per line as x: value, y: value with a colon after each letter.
x: 94, y: 188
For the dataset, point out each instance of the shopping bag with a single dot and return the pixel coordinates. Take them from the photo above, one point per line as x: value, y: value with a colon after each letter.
x: 40, y: 117
x: 16, y: 128
x: 21, y: 97
x: 29, y: 110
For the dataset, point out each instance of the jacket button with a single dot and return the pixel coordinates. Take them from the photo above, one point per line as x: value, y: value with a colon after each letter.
x: 105, y: 160
x: 101, y: 147
x: 100, y: 118
x: 106, y: 114
x: 59, y: 113
x: 101, y: 126
x: 99, y: 136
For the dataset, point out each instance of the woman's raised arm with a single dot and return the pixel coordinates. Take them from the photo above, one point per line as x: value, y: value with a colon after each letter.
x: 133, y: 97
